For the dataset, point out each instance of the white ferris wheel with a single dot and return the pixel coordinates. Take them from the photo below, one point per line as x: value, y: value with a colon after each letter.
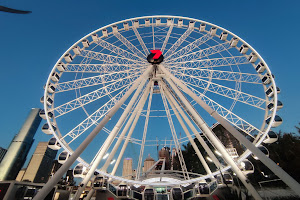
x: 139, y: 85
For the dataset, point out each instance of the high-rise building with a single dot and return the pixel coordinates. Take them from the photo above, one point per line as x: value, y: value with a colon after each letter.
x: 127, y: 168
x: 40, y: 165
x: 18, y: 149
x: 21, y: 174
x: 2, y: 153
x: 148, y: 163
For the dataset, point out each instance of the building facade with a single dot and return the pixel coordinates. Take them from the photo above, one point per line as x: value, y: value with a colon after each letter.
x: 127, y: 168
x: 18, y: 149
x: 40, y: 165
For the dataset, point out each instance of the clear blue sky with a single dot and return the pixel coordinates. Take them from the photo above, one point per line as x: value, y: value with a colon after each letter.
x: 31, y: 44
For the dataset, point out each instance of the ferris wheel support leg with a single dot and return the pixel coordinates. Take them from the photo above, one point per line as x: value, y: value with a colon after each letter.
x: 192, y: 127
x: 140, y: 108
x: 278, y: 171
x: 65, y: 167
x: 124, y: 131
x: 204, y: 127
x: 205, y: 165
x: 108, y: 141
x: 90, y: 194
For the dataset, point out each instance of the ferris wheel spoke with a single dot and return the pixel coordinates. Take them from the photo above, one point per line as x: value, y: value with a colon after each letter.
x: 107, y: 58
x: 101, y: 68
x: 144, y: 133
x: 131, y: 122
x: 201, y: 53
x: 190, y: 47
x: 167, y: 37
x: 227, y: 114
x: 141, y: 41
x: 130, y: 46
x: 95, y: 80
x: 94, y: 118
x: 213, y: 62
x: 225, y: 91
x: 178, y: 42
x: 174, y: 135
x: 217, y: 74
x: 117, y: 50
x: 92, y: 96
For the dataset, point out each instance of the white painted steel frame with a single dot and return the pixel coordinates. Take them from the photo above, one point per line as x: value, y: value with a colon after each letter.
x: 112, y: 59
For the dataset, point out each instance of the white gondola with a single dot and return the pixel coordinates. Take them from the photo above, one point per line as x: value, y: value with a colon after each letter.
x: 79, y: 171
x: 43, y: 114
x: 233, y: 42
x: 46, y: 129
x: 176, y: 193
x: 126, y: 26
x: 270, y: 91
x: 180, y: 23
x: 262, y: 149
x: 147, y: 22
x: 76, y: 50
x: 169, y: 22
x: 100, y: 182
x: 271, y: 137
x: 105, y: 33
x: 50, y: 88
x: 277, y: 121
x: 202, y: 27
x: 61, y: 67
x: 55, y: 77
x: 115, y: 29
x: 260, y: 67
x: 205, y: 189
x: 95, y: 37
x: 213, y: 31
x: 247, y: 167
x: 63, y: 157
x: 49, y: 100
x: 85, y: 43
x: 68, y: 58
x: 136, y: 23
x: 266, y: 79
x: 54, y: 144
x: 191, y: 24
x: 271, y: 105
x: 42, y: 99
x: 149, y: 194
x: 123, y: 190
x: 223, y: 36
x: 252, y: 57
x: 225, y: 179
x: 244, y: 48
x: 157, y: 21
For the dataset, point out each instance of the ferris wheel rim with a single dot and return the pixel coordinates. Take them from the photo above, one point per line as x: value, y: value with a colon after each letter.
x: 67, y: 148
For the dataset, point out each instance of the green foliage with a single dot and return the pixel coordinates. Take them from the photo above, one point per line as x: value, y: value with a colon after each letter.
x: 285, y: 152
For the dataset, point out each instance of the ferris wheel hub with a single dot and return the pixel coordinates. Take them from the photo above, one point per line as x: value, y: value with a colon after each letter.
x: 155, y: 57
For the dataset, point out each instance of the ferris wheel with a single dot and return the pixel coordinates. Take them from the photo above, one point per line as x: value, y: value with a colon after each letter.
x: 139, y: 85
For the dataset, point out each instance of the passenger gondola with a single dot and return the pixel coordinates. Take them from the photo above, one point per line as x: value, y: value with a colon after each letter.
x: 79, y: 171
x: 276, y: 122
x: 271, y: 137
x: 262, y: 149
x: 176, y: 193
x: 54, y: 144
x: 63, y: 157
x: 46, y: 129
x: 247, y: 167
x: 100, y: 182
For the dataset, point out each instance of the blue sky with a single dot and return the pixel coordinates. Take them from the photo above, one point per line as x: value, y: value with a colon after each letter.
x: 31, y: 44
